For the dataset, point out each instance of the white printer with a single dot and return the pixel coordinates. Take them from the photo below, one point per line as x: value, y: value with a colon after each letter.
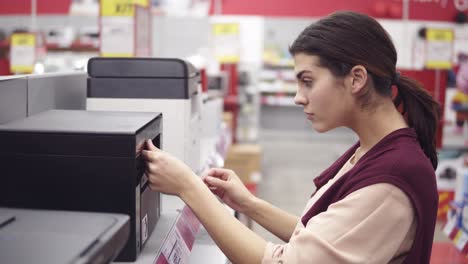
x: 169, y: 86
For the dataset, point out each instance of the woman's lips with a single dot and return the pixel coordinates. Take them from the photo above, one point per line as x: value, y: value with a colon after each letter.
x: 310, y: 116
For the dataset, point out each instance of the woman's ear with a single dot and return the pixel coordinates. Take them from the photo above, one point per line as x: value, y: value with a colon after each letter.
x: 358, y: 77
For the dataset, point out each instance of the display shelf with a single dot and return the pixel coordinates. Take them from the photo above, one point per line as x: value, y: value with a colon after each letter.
x: 205, y: 246
x: 279, y: 92
x: 278, y: 100
x: 280, y: 65
x: 76, y: 47
x: 171, y: 233
x: 278, y: 85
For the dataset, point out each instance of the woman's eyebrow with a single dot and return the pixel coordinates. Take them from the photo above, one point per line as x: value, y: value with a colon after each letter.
x: 299, y: 74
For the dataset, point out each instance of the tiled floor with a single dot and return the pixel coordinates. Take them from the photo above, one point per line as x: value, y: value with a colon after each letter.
x: 291, y: 160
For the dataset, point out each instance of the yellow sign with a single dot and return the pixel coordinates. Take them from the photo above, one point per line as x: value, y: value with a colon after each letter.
x: 23, y: 39
x: 143, y: 3
x: 226, y: 29
x: 443, y: 65
x: 433, y: 34
x: 226, y: 42
x: 117, y: 55
x: 22, y: 52
x: 117, y: 8
x: 439, y: 48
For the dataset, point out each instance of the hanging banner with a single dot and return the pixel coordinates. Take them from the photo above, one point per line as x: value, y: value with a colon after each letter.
x: 226, y: 42
x: 22, y: 52
x: 439, y: 48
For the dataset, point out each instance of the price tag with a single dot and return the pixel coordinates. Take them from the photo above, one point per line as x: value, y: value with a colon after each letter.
x: 226, y: 42
x: 117, y: 8
x: 226, y: 29
x: 439, y: 35
x: 461, y: 240
x: 22, y: 52
x: 179, y: 242
x: 439, y: 48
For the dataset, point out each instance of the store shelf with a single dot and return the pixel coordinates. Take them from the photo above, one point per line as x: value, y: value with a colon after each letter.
x: 278, y: 84
x: 205, y: 246
x: 287, y: 64
x: 278, y: 100
x: 73, y: 48
x: 52, y: 47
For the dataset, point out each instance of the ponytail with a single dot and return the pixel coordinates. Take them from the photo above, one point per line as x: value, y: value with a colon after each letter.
x: 421, y: 112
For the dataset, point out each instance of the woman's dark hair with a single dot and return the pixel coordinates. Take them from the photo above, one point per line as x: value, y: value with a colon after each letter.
x: 345, y: 39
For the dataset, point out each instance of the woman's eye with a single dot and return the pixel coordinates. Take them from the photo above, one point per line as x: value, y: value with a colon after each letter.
x: 307, y: 82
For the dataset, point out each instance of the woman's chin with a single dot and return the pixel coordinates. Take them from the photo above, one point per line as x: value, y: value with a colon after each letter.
x: 320, y: 128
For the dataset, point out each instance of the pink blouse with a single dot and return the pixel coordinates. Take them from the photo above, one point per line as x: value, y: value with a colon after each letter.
x: 375, y: 224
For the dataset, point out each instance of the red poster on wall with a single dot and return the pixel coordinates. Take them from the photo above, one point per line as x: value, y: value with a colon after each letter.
x: 23, y: 7
x: 436, y: 10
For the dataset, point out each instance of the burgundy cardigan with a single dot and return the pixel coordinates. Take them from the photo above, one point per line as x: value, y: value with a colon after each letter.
x: 399, y: 160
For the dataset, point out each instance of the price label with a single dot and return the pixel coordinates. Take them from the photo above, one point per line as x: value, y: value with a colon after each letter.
x: 22, y: 52
x: 433, y: 34
x: 117, y: 37
x: 439, y: 48
x: 226, y: 29
x: 226, y: 42
x: 117, y: 8
x: 179, y: 242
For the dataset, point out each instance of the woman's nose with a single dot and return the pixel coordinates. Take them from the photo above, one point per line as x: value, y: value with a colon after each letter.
x: 299, y: 99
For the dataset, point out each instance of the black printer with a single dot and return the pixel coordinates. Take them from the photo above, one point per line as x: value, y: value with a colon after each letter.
x: 82, y: 161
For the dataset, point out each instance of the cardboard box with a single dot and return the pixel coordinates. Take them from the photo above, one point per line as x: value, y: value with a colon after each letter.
x: 245, y: 160
x: 227, y: 118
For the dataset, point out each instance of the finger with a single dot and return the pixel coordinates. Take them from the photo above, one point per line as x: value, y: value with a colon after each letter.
x: 205, y: 173
x: 219, y: 173
x: 150, y: 168
x: 215, y: 190
x: 151, y: 146
x: 149, y: 156
x: 215, y: 182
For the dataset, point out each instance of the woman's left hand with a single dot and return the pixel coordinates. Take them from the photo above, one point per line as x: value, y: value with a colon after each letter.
x: 166, y: 173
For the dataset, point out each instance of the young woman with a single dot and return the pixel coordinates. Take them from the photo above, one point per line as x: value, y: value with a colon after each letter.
x: 377, y: 203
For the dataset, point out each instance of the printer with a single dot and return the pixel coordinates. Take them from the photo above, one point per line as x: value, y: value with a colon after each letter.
x: 78, y: 160
x: 57, y: 237
x: 169, y: 86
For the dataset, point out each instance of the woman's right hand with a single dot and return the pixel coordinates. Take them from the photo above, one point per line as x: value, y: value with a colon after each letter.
x: 226, y: 185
